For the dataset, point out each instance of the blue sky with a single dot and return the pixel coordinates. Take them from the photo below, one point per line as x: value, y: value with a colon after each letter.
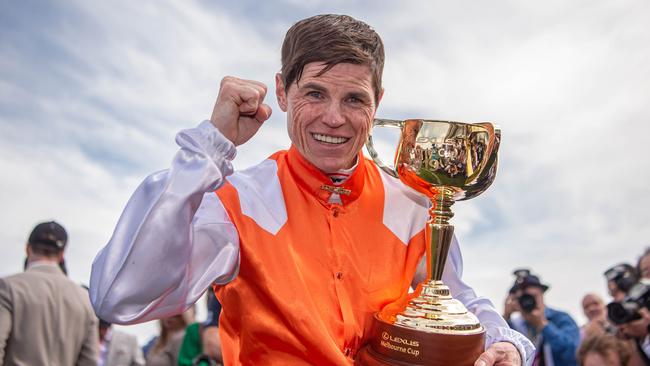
x: 92, y: 93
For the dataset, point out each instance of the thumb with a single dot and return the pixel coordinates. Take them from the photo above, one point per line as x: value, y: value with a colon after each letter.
x: 487, y: 358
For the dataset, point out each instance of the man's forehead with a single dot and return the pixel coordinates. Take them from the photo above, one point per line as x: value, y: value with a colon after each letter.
x: 532, y: 290
x: 354, y: 73
x: 312, y: 69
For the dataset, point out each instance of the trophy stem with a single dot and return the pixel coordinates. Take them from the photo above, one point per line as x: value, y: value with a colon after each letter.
x: 439, y: 233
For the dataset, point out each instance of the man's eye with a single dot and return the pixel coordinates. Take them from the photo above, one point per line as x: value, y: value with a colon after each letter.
x: 314, y: 94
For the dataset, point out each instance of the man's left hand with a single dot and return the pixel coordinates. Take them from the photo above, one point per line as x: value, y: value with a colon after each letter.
x: 500, y: 354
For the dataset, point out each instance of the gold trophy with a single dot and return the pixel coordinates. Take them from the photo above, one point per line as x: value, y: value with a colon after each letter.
x: 447, y: 162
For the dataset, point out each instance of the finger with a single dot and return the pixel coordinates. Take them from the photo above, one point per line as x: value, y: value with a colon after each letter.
x: 260, y: 86
x: 486, y: 358
x: 248, y: 127
x: 243, y: 91
x: 232, y: 94
x: 263, y: 113
x: 248, y: 99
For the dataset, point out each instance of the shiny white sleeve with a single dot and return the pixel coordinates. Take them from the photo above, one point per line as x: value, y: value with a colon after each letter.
x: 497, y: 330
x: 173, y: 239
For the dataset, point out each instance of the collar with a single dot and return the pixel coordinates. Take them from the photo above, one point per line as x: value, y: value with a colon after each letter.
x: 317, y: 183
x: 43, y: 266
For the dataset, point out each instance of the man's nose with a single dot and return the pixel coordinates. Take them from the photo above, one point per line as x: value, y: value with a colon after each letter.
x: 333, y: 115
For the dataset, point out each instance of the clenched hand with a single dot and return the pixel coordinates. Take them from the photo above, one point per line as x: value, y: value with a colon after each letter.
x: 239, y: 111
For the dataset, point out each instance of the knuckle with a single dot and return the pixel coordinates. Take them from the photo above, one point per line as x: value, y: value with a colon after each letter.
x: 253, y: 94
x: 259, y: 86
x: 227, y: 80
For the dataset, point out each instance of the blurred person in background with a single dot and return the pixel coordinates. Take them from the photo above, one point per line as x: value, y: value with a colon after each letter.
x: 45, y: 318
x: 643, y: 265
x: 201, y: 345
x: 596, y: 313
x: 117, y: 348
x: 636, y: 331
x: 620, y: 279
x: 629, y: 310
x: 604, y: 350
x: 163, y: 349
x: 554, y: 333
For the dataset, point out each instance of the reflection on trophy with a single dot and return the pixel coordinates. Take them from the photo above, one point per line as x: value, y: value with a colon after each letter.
x: 446, y: 161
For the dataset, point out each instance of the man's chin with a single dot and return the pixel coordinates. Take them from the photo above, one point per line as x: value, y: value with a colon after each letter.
x: 329, y: 165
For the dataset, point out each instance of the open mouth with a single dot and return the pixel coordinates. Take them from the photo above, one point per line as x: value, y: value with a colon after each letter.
x: 329, y: 139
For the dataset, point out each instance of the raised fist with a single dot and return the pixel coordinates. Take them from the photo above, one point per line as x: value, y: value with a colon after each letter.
x: 239, y: 111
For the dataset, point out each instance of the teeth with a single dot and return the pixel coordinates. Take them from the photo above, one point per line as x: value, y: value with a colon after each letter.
x: 329, y: 139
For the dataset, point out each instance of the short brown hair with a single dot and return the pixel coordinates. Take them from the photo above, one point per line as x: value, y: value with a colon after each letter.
x: 331, y: 39
x: 603, y: 344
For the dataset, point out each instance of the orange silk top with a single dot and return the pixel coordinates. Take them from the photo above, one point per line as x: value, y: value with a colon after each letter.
x: 305, y: 292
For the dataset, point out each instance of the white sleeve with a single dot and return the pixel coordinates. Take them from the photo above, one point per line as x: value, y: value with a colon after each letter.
x: 173, y: 239
x: 497, y: 330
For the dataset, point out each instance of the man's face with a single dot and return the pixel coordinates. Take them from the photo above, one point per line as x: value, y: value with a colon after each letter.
x: 616, y: 293
x: 596, y: 359
x: 635, y: 329
x: 534, y: 291
x: 329, y: 116
x: 593, y: 307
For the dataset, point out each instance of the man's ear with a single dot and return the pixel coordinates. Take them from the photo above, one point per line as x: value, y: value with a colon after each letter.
x: 280, y: 92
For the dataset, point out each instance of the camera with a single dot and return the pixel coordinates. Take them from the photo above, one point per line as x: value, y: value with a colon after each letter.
x: 524, y: 279
x: 624, y: 312
x: 527, y: 303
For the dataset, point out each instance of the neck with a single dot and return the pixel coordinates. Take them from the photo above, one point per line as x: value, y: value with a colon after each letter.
x: 32, y: 260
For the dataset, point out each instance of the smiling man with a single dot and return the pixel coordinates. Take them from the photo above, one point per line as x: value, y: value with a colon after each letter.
x: 303, y: 248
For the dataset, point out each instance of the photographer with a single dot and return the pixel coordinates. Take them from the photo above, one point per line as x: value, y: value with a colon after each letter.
x: 596, y: 313
x: 643, y: 264
x: 632, y: 317
x: 620, y: 280
x: 554, y: 332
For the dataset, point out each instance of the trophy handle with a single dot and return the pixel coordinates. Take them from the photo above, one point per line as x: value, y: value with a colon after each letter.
x: 380, y: 122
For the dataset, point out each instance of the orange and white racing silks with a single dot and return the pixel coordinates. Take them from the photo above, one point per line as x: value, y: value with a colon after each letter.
x: 299, y: 274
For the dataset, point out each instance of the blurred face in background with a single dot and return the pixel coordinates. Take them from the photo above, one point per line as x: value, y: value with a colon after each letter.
x: 178, y: 322
x: 616, y: 293
x: 593, y: 307
x: 534, y: 291
x: 635, y: 329
x: 644, y: 267
x: 610, y: 358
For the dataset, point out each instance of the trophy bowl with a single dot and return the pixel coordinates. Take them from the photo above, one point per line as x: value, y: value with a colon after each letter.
x: 447, y: 162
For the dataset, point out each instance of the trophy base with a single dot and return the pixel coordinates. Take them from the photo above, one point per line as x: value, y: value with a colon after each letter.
x: 396, y: 345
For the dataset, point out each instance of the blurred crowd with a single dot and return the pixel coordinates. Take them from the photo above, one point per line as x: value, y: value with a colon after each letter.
x: 45, y: 318
x: 615, y: 334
